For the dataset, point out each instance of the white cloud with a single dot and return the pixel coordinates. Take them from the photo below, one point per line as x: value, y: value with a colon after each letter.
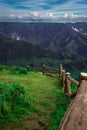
x: 69, y: 11
x: 36, y: 14
x: 71, y: 16
x: 12, y: 15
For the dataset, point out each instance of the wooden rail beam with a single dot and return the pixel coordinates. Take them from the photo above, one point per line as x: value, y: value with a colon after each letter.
x: 51, y: 69
x: 54, y: 69
x: 73, y: 81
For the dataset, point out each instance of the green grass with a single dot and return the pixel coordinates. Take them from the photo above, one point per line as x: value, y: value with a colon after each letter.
x: 73, y: 88
x: 44, y: 102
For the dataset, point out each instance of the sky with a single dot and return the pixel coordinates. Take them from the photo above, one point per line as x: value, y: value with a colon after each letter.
x: 43, y: 10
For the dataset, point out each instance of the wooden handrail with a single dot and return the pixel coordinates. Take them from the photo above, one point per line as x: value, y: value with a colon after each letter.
x: 50, y: 68
x: 73, y: 81
x: 66, y: 80
x: 75, y: 117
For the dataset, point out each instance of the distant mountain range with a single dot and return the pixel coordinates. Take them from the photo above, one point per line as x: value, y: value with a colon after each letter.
x: 44, y: 43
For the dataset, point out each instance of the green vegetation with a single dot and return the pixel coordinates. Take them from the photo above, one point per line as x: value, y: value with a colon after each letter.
x: 30, y: 100
x: 62, y: 102
x: 12, y: 102
x: 18, y: 70
x: 73, y: 88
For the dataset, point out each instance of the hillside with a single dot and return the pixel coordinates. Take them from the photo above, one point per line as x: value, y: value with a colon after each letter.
x: 13, y: 50
x: 55, y: 36
x: 30, y: 100
x: 44, y: 43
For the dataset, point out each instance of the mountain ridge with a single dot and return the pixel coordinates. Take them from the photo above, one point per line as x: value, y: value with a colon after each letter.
x: 57, y: 42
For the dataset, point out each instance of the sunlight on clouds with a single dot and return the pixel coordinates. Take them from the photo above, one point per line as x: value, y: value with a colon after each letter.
x: 70, y: 16
x: 35, y: 14
x: 12, y: 16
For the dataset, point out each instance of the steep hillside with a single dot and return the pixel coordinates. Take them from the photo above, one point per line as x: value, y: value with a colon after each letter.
x: 13, y: 51
x: 55, y: 36
x: 69, y: 41
x: 80, y: 27
x: 38, y: 33
x: 44, y: 43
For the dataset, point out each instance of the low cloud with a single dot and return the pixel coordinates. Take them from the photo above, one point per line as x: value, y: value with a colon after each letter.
x: 47, y: 17
x: 71, y: 16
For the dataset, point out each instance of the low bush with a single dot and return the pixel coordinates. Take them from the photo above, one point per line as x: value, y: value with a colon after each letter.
x: 1, y: 67
x: 18, y: 70
x: 12, y: 102
x: 14, y: 69
x: 62, y: 103
x: 22, y: 70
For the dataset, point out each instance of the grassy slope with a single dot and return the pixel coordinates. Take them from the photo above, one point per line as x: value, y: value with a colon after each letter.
x: 47, y: 102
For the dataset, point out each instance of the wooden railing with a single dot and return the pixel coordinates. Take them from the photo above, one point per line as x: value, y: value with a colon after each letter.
x: 76, y: 116
x: 66, y: 81
x: 47, y: 70
x: 51, y: 69
x: 66, y: 78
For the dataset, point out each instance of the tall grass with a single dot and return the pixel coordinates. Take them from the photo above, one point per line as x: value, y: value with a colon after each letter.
x: 12, y: 102
x: 18, y: 70
x: 62, y: 102
x: 28, y: 95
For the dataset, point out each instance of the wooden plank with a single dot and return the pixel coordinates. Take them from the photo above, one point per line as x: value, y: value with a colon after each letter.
x: 76, y: 116
x: 51, y: 69
x: 73, y: 81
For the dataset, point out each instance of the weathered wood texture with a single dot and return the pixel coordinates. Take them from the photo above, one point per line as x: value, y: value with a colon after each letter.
x: 76, y: 115
x: 60, y: 70
x: 73, y: 81
x: 50, y: 71
x: 67, y: 88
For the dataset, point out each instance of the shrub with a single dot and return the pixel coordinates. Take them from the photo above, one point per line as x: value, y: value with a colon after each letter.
x: 14, y: 69
x: 22, y: 70
x: 1, y: 67
x: 18, y: 70
x: 12, y: 102
x: 62, y: 103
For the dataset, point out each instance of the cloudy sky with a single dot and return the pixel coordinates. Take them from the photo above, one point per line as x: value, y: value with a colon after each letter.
x: 43, y: 10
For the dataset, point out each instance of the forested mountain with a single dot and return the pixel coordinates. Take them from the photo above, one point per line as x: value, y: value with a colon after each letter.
x: 44, y: 43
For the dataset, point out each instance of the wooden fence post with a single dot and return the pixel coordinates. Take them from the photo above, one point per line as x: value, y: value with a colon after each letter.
x: 83, y: 76
x: 43, y: 69
x: 60, y: 70
x: 67, y: 88
x: 76, y: 115
x: 63, y: 78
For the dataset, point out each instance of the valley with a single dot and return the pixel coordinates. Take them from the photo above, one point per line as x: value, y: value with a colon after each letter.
x: 44, y: 43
